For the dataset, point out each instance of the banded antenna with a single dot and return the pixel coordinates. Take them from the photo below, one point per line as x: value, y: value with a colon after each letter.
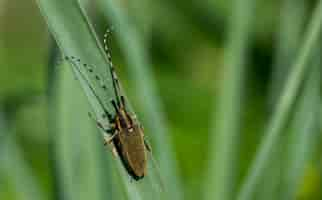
x: 116, y: 84
x: 77, y: 61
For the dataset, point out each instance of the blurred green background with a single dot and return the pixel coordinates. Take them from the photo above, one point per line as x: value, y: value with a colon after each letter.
x: 185, y: 42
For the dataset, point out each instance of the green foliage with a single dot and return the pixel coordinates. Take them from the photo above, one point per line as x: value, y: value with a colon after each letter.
x: 14, y: 171
x: 283, y: 108
x: 227, y: 120
x: 196, y: 74
x: 66, y: 151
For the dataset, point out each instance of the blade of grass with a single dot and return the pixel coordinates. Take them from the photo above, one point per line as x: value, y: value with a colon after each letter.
x: 221, y: 181
x: 134, y: 49
x: 320, y: 118
x: 283, y: 108
x: 14, y: 167
x: 304, y: 131
x: 83, y: 173
x: 293, y: 15
x: 75, y: 38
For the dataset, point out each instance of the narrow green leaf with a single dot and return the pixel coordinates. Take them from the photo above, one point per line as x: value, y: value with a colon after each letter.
x: 283, y: 108
x: 221, y: 183
x: 304, y: 131
x: 75, y: 38
x: 18, y: 173
x: 292, y: 15
x: 79, y: 150
x: 292, y: 18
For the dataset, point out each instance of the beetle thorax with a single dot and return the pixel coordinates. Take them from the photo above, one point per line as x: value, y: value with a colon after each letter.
x: 124, y: 121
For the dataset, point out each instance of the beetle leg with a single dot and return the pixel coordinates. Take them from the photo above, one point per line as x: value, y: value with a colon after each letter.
x: 114, y: 152
x: 108, y: 140
x: 115, y: 105
x: 147, y: 145
x: 110, y: 130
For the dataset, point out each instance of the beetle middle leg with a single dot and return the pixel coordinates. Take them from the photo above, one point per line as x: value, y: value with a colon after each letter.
x: 111, y: 130
x: 109, y: 139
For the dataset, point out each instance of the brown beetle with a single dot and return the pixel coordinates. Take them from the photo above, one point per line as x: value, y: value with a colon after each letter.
x: 129, y: 142
x: 126, y: 132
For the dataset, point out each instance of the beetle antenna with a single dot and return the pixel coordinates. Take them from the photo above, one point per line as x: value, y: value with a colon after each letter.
x: 123, y: 101
x: 116, y: 84
x: 77, y: 61
x: 115, y: 106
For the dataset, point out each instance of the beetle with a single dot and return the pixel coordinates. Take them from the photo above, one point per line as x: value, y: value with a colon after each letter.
x: 126, y: 132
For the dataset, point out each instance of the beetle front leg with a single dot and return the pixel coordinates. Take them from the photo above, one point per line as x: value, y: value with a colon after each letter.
x: 111, y: 130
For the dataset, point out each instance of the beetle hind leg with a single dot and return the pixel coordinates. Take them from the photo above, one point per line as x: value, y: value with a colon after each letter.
x: 147, y: 145
x: 108, y: 142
